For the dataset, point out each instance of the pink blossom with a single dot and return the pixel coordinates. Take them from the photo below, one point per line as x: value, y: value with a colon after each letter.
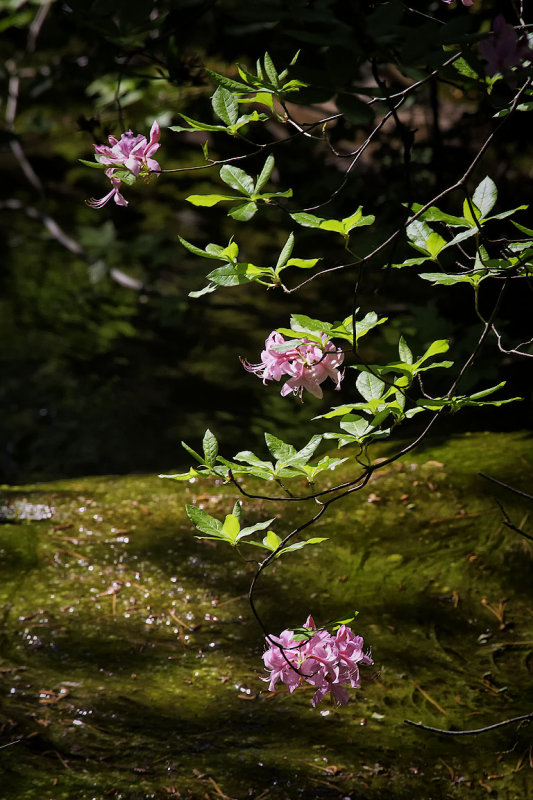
x: 504, y: 50
x: 132, y: 152
x: 307, y: 364
x: 327, y: 661
x: 114, y: 193
x: 464, y: 2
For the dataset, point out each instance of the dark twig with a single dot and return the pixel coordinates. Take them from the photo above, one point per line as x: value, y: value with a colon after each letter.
x: 506, y: 486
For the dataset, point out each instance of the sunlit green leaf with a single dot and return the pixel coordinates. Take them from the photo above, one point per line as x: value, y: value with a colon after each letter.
x: 204, y: 521
x: 231, y: 528
x: 225, y: 105
x: 369, y: 386
x: 208, y: 200
x: 243, y: 212
x: 286, y: 252
x: 210, y: 446
x: 485, y: 196
x: 238, y: 179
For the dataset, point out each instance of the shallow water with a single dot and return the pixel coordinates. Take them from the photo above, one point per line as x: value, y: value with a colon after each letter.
x: 130, y: 663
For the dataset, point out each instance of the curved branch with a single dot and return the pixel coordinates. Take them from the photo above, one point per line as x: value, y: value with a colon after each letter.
x: 475, y: 731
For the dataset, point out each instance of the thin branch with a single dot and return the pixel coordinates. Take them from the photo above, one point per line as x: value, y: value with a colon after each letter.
x: 475, y: 731
x: 457, y: 185
x: 512, y: 489
x: 513, y: 350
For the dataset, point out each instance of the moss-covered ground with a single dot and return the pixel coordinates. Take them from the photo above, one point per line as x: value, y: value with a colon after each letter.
x: 130, y: 663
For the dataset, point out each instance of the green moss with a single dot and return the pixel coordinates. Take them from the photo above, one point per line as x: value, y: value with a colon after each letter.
x: 130, y: 660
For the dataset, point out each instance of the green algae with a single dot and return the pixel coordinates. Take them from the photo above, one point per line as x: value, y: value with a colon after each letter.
x: 130, y: 663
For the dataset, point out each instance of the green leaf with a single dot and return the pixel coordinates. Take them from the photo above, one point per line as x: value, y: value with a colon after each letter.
x: 527, y: 231
x: 410, y: 262
x: 238, y: 179
x: 205, y: 290
x: 237, y: 510
x: 264, y: 98
x: 259, y: 526
x: 281, y: 451
x: 434, y: 214
x: 210, y: 446
x: 302, y: 263
x: 250, y: 458
x: 437, y: 347
x: 231, y: 528
x: 233, y: 274
x: 243, y: 212
x: 286, y: 252
x: 357, y: 220
x: 369, y: 386
x: 487, y: 392
x: 265, y: 174
x: 307, y: 451
x: 471, y: 218
x: 458, y: 402
x: 325, y: 463
x: 290, y: 344
x: 355, y: 425
x: 184, y: 476
x: 342, y: 226
x: 203, y: 521
x: 520, y: 107
x: 404, y: 351
x: 418, y: 233
x: 193, y: 249
x: 195, y: 125
x: 228, y: 83
x: 215, y: 250
x: 245, y: 119
x: 230, y: 252
x: 193, y: 453
x: 125, y: 176
x: 485, y: 196
x: 307, y: 220
x: 272, y: 541
x: 305, y: 324
x: 298, y: 545
x: 270, y: 70
x: 249, y: 77
x: 435, y: 244
x: 460, y: 237
x: 225, y: 105
x: 443, y: 279
x: 505, y: 214
x: 369, y: 321
x: 267, y: 195
x: 463, y: 67
x: 333, y: 225
x: 295, y: 58
x: 208, y: 200
x: 93, y: 164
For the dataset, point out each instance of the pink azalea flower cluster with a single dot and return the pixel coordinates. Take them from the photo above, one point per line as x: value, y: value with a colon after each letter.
x: 307, y: 364
x: 326, y: 661
x: 504, y: 50
x: 130, y: 152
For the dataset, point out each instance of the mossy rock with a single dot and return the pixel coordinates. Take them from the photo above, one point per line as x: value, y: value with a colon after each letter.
x: 131, y: 662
